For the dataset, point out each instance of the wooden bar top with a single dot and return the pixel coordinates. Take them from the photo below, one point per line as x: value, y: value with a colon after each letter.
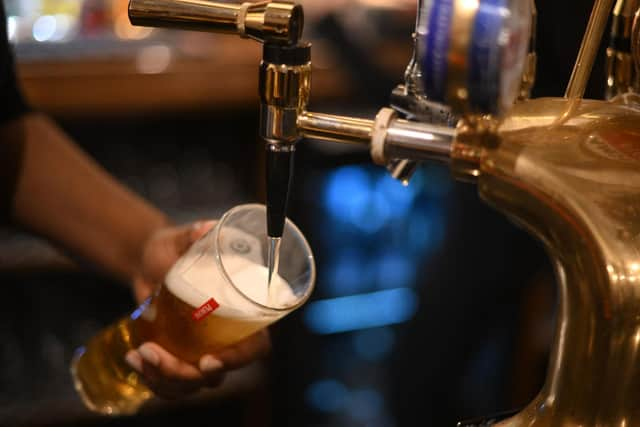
x: 158, y: 77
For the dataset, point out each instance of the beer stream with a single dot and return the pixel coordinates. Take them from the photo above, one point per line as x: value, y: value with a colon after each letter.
x: 273, y: 260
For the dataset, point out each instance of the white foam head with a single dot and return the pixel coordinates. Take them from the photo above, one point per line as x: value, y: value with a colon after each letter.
x: 196, y: 278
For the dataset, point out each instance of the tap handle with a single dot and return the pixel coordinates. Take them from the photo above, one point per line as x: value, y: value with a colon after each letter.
x: 275, y: 22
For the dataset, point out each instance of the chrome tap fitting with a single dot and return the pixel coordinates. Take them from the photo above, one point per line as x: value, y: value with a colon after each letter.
x: 274, y: 22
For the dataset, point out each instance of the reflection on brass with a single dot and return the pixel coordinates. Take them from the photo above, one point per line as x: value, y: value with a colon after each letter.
x: 418, y: 141
x: 458, y: 72
x: 402, y: 170
x: 620, y: 67
x: 619, y: 72
x: 568, y: 170
x: 576, y: 187
x: 635, y: 49
x: 335, y: 128
x: 284, y: 94
x: 473, y: 135
x: 400, y: 139
x: 285, y: 86
x: 531, y: 64
x: 280, y: 22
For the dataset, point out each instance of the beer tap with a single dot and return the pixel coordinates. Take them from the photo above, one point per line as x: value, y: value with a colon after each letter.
x: 284, y: 86
x: 566, y: 169
x: 285, y: 74
x: 284, y: 89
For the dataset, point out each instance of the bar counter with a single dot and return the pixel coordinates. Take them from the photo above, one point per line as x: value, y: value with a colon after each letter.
x: 194, y: 72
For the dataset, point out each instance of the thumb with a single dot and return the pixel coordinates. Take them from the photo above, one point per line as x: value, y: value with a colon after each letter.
x: 182, y: 238
x: 197, y: 230
x: 167, y: 246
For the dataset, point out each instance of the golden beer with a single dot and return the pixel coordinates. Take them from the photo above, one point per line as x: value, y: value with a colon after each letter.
x: 107, y: 384
x: 214, y: 296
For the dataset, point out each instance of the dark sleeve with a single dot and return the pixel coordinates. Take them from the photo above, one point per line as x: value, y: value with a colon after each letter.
x: 12, y: 105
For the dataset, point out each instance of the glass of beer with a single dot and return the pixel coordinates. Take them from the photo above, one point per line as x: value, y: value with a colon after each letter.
x: 214, y: 296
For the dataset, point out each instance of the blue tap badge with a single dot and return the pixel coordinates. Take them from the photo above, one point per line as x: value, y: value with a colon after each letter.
x: 495, y: 55
x: 435, y: 62
x: 485, y: 57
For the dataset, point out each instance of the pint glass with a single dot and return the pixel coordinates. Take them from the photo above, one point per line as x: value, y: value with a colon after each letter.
x: 214, y: 296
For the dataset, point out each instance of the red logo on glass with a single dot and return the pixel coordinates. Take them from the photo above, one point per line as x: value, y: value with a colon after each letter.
x: 204, y: 310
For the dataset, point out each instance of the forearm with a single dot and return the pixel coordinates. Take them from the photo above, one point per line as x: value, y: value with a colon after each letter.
x: 64, y: 195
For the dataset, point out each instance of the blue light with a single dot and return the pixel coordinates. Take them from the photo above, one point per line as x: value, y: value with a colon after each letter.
x: 349, y: 273
x: 395, y: 270
x: 365, y: 405
x: 138, y: 311
x: 327, y: 396
x: 344, y: 187
x: 350, y: 197
x: 399, y: 197
x: 361, y: 311
x: 370, y: 212
x: 374, y: 345
x: 426, y: 229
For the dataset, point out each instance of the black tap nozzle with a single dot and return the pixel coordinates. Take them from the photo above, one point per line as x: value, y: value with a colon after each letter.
x: 279, y: 174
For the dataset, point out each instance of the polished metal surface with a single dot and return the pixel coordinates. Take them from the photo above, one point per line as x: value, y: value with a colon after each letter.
x: 635, y: 48
x: 402, y: 139
x: 531, y: 64
x: 335, y: 128
x: 403, y: 169
x: 278, y: 125
x: 284, y: 94
x: 458, y: 72
x: 621, y: 74
x: 280, y: 22
x: 285, y: 86
x: 418, y: 141
x: 568, y: 170
x: 575, y: 185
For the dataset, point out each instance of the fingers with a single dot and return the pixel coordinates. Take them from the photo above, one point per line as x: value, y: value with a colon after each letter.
x: 179, y: 239
x: 183, y: 237
x: 170, y: 377
x: 142, y: 289
x: 167, y: 364
x: 199, y: 229
x: 254, y: 347
x: 212, y: 370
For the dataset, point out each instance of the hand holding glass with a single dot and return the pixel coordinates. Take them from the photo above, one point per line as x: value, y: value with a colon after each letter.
x: 214, y: 296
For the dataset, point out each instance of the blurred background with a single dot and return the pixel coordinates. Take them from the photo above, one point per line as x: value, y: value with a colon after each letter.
x: 429, y: 306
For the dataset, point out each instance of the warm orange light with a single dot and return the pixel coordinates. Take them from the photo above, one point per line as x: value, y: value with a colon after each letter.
x: 124, y: 30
